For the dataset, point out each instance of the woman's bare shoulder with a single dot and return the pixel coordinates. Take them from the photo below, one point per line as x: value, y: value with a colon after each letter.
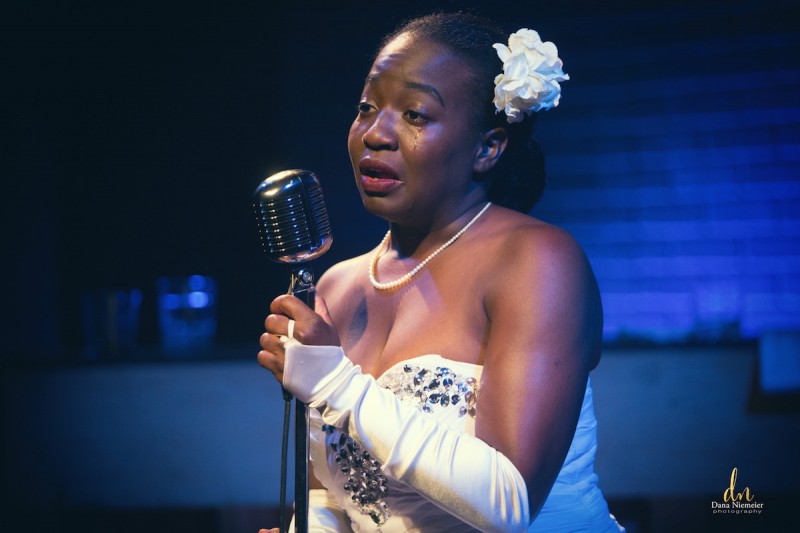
x: 546, y: 277
x: 521, y: 239
x: 344, y: 273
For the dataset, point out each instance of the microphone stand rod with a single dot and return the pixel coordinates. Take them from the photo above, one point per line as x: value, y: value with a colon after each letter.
x: 302, y: 286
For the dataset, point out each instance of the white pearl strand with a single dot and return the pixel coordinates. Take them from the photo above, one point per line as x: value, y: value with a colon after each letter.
x: 407, y: 277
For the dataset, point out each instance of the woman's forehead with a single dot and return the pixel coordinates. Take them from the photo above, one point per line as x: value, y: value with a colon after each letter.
x: 415, y: 59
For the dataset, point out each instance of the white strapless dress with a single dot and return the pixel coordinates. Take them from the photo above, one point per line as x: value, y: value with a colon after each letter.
x: 448, y: 391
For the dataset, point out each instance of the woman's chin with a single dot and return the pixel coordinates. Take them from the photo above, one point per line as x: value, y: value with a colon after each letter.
x: 383, y: 206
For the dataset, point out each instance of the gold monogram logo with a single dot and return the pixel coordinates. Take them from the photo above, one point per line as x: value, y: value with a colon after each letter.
x: 730, y: 494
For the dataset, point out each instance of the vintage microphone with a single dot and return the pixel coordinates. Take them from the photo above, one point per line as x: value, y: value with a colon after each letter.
x: 294, y: 229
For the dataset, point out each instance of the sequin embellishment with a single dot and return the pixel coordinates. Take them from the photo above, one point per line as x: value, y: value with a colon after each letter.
x: 365, y: 481
x: 431, y: 389
x: 428, y: 389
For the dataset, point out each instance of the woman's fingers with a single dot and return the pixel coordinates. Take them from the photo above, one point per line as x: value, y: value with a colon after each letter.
x: 292, y: 318
x: 322, y: 329
x: 272, y: 356
x: 290, y: 306
x: 309, y: 326
x: 272, y: 362
x: 277, y: 324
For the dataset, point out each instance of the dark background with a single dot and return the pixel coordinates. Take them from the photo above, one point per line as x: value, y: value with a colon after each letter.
x: 138, y: 134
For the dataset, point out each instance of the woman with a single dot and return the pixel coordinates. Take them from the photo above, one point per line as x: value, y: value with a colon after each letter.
x: 447, y: 370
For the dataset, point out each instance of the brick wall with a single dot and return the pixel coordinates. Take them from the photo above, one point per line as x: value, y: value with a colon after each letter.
x: 675, y: 160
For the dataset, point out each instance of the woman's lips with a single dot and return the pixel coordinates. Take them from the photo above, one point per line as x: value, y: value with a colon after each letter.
x: 377, y: 177
x: 372, y: 185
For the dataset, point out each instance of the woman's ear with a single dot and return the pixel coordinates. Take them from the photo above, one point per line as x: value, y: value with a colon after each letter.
x: 493, y: 144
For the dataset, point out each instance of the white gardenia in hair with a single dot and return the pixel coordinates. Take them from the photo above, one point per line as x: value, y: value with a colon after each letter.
x: 531, y: 72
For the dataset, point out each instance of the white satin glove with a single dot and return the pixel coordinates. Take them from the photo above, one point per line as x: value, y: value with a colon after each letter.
x: 459, y: 472
x: 324, y: 514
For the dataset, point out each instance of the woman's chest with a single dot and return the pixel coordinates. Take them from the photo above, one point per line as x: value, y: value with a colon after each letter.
x: 381, y: 328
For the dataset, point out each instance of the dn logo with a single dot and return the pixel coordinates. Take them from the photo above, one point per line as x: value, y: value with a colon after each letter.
x: 730, y: 494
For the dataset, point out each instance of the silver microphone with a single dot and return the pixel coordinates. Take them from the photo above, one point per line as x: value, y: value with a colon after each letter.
x: 292, y: 218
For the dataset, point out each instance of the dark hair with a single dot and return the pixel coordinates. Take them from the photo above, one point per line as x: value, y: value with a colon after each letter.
x: 518, y: 178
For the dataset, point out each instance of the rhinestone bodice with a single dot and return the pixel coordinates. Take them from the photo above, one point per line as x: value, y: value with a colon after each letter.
x: 447, y: 391
x: 430, y: 389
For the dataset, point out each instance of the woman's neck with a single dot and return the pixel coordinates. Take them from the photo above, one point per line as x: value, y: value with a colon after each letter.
x: 418, y: 241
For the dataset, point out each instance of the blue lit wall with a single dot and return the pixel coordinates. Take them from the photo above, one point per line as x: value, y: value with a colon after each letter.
x: 675, y: 160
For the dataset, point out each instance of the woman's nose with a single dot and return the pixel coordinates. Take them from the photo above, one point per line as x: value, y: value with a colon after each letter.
x: 381, y: 134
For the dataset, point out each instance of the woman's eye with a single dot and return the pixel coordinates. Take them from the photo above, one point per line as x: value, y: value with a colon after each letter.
x: 415, y: 117
x: 363, y: 107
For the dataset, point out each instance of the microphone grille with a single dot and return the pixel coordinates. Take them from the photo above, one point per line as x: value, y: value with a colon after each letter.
x: 291, y: 216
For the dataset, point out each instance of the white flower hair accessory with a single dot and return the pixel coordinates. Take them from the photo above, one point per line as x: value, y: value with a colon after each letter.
x: 531, y: 72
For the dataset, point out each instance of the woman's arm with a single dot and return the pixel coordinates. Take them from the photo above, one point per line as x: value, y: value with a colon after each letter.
x: 545, y: 336
x: 458, y: 472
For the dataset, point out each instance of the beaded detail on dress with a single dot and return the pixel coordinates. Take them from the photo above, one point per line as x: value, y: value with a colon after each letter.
x: 365, y: 481
x: 430, y: 389
x: 425, y: 388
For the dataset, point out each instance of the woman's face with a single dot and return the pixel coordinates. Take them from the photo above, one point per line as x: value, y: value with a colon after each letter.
x: 414, y: 142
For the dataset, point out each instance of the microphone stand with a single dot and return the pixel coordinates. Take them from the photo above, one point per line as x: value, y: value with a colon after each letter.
x: 294, y: 228
x: 302, y: 286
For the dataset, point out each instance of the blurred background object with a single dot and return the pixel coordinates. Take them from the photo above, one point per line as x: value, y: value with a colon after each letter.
x: 187, y: 314
x: 110, y: 323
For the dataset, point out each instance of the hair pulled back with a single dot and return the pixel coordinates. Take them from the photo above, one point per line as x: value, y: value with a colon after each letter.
x: 517, y: 180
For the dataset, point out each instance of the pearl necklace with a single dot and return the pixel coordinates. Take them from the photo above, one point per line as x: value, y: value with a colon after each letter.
x: 407, y: 277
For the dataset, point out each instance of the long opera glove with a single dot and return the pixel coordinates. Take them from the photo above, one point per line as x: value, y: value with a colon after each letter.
x: 324, y: 514
x: 459, y: 472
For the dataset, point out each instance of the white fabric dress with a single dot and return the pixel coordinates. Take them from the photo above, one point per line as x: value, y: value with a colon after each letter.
x: 448, y: 391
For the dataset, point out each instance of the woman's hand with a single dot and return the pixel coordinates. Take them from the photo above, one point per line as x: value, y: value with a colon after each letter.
x: 311, y: 327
